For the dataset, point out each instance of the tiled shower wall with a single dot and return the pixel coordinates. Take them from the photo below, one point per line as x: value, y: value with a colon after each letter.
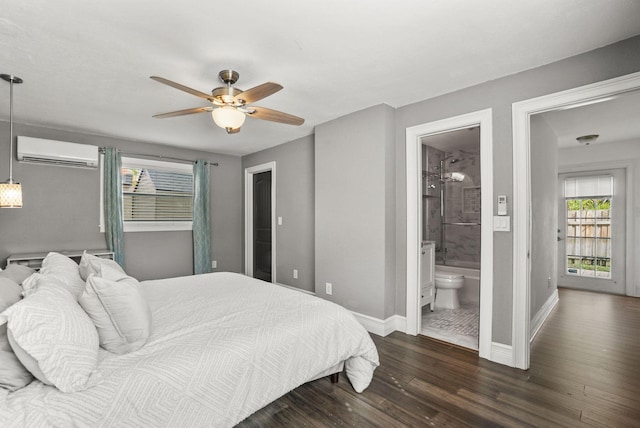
x: 460, y: 244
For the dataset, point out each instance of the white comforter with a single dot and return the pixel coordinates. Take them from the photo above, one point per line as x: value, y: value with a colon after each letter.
x: 223, y: 346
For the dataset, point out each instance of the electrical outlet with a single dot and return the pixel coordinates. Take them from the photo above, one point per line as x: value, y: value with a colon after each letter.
x: 329, y: 288
x: 549, y: 282
x: 295, y: 274
x: 214, y: 264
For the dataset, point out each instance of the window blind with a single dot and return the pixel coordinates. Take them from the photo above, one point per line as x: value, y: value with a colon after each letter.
x: 156, y: 191
x: 591, y: 186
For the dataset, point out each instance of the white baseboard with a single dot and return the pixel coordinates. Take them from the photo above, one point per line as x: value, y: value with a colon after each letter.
x: 543, y: 313
x: 401, y: 323
x: 295, y: 288
x: 502, y: 354
x: 382, y: 327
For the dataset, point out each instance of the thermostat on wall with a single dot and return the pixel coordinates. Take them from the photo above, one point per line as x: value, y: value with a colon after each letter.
x: 502, y: 204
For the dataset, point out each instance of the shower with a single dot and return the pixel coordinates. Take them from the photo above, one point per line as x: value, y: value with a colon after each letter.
x: 451, y: 199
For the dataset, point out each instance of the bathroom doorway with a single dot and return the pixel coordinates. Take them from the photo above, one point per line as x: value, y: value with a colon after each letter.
x: 451, y: 222
x: 482, y: 122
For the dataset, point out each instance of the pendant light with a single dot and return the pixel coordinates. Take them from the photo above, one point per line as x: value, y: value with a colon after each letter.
x: 10, y: 191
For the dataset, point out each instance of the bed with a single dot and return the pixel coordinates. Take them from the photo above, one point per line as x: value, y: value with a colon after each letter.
x: 221, y: 346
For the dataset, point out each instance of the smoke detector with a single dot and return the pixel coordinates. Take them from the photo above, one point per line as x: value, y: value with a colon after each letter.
x: 587, y: 139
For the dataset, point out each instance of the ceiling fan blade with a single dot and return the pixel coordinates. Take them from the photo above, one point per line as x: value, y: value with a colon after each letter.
x: 259, y: 92
x: 182, y: 87
x: 274, y: 116
x: 183, y: 112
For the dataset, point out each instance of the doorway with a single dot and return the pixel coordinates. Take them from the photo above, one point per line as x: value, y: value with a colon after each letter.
x: 262, y: 228
x: 414, y: 136
x: 260, y: 209
x: 522, y: 112
x: 451, y: 224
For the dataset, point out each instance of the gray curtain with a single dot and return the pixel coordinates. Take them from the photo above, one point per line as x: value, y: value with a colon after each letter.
x: 201, y: 219
x: 113, y: 204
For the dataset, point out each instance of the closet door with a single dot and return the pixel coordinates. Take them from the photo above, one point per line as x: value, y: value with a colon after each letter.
x: 262, y: 226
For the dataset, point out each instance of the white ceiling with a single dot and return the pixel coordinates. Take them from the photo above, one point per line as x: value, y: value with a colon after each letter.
x: 614, y: 120
x: 86, y: 64
x: 461, y: 139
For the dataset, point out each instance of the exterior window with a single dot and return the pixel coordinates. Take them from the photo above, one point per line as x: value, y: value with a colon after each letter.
x: 589, y: 205
x: 156, y: 195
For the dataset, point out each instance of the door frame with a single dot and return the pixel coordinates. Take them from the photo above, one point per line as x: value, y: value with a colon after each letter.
x: 414, y: 136
x: 521, y: 114
x: 248, y: 217
x: 629, y: 168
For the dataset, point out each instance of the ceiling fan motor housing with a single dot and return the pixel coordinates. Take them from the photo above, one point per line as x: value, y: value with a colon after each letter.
x: 229, y: 77
x: 227, y: 94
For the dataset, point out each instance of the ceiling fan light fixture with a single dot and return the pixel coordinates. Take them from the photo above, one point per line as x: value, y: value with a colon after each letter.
x: 228, y: 117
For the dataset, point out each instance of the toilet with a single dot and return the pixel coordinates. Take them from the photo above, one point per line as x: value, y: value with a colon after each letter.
x: 447, y: 287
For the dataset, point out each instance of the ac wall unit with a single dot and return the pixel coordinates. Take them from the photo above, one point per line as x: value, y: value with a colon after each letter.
x: 51, y: 152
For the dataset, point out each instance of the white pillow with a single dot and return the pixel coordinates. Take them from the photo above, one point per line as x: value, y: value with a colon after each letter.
x: 16, y: 272
x: 13, y: 375
x: 90, y: 264
x: 118, y: 310
x: 54, y: 338
x: 64, y: 269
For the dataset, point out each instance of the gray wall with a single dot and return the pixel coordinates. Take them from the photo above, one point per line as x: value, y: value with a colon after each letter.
x: 61, y: 209
x: 354, y: 199
x: 360, y: 192
x: 295, y: 204
x: 601, y: 64
x: 544, y: 218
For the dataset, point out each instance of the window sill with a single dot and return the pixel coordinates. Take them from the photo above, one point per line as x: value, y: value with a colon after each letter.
x: 155, y: 226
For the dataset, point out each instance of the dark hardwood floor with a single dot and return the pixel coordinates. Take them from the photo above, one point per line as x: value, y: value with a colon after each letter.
x: 585, y: 371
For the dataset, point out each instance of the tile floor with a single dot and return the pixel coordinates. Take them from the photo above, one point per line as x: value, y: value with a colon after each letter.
x: 458, y: 326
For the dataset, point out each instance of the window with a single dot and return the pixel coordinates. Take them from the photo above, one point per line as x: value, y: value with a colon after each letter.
x: 588, y: 205
x: 156, y: 195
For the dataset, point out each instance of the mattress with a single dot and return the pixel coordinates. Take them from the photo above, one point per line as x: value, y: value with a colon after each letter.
x: 223, y: 345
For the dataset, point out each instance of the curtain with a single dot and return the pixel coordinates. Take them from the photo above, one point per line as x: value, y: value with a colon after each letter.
x: 201, y: 219
x: 113, y: 204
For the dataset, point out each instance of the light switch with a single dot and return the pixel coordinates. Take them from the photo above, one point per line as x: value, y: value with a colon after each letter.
x: 502, y: 223
x: 279, y: 221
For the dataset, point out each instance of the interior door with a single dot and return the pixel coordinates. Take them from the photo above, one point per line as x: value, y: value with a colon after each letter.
x: 262, y: 226
x: 592, y: 230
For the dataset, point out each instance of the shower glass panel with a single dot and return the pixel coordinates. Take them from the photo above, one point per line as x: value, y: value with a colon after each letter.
x: 451, y: 201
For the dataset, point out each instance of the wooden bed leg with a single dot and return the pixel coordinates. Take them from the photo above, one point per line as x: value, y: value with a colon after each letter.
x: 335, y: 377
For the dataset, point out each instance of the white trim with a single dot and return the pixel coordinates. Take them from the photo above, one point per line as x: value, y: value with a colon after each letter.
x: 543, y: 313
x: 295, y: 288
x: 414, y: 135
x: 132, y: 162
x: 248, y: 217
x: 502, y: 354
x: 156, y: 226
x: 381, y: 327
x: 521, y: 112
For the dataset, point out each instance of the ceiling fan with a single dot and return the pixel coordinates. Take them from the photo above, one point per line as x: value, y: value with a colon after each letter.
x: 230, y: 105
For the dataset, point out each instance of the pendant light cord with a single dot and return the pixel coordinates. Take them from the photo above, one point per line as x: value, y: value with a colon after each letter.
x: 11, y: 131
